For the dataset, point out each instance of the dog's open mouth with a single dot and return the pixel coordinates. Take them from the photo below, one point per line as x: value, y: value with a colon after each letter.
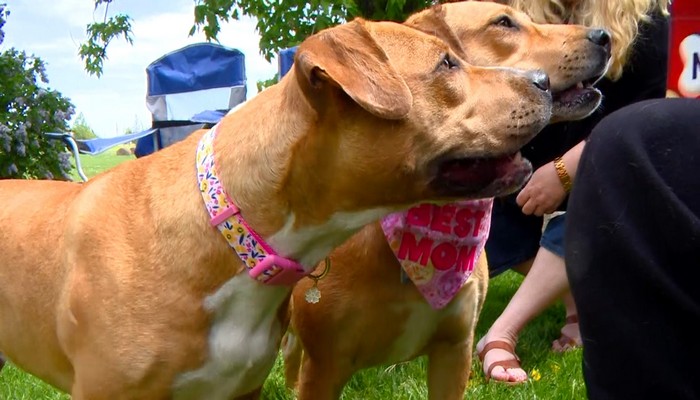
x: 481, y: 177
x: 579, y: 94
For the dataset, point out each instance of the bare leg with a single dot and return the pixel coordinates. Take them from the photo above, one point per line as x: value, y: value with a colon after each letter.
x: 545, y: 282
x: 570, y: 333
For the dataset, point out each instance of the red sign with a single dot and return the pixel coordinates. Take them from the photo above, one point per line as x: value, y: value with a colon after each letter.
x: 684, y: 54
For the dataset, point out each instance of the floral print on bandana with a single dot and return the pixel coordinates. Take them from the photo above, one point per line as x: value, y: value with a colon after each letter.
x: 438, y: 246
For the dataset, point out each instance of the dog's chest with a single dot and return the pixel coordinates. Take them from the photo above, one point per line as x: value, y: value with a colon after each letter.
x: 243, y: 341
x: 419, y: 327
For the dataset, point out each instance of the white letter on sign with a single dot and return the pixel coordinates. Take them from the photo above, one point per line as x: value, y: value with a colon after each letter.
x: 689, y: 81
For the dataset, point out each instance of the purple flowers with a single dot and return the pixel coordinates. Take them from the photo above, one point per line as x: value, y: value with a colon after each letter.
x: 28, y: 110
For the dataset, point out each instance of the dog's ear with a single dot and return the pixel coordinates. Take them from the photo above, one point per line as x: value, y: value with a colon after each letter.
x: 348, y: 57
x: 432, y: 21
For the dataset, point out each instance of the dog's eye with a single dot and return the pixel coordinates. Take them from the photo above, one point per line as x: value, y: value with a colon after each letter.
x: 504, y: 21
x: 448, y: 63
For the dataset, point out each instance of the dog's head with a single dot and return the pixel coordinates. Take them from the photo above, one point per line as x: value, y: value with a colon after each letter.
x: 400, y: 112
x: 574, y: 57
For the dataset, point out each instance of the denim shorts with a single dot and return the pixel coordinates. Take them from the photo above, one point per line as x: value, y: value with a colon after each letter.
x: 515, y: 237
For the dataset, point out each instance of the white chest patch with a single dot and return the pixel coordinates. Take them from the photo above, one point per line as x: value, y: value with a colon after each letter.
x: 420, y: 326
x: 243, y: 341
x: 311, y: 244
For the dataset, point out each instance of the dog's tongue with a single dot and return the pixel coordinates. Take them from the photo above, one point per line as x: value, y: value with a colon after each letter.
x: 476, y: 172
x: 573, y: 94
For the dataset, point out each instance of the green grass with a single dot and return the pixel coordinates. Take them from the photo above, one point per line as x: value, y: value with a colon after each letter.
x: 560, y: 376
x: 93, y: 165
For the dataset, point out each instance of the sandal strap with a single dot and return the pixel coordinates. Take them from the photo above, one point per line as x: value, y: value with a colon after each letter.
x: 498, y: 344
x: 567, y: 343
x: 505, y: 364
x: 571, y: 319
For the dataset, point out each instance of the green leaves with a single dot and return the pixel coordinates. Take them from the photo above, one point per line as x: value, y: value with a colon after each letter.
x: 280, y: 23
x: 100, y: 34
x: 208, y: 15
x: 283, y: 24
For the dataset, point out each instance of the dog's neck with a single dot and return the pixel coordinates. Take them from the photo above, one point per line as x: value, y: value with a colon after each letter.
x: 284, y: 196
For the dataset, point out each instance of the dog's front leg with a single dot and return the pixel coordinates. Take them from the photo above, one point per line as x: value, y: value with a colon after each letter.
x: 322, y: 379
x: 292, y: 352
x: 254, y: 395
x: 449, y: 365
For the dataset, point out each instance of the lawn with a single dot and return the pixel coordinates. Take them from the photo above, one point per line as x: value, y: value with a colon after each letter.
x: 553, y: 376
x: 93, y: 165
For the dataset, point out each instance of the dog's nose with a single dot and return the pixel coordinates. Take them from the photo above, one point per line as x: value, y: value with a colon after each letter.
x: 601, y: 37
x: 539, y: 78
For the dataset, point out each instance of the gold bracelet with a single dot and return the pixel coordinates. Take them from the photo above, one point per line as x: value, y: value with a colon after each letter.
x: 564, y: 177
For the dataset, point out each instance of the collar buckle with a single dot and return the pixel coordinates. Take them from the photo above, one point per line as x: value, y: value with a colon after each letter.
x: 278, y: 271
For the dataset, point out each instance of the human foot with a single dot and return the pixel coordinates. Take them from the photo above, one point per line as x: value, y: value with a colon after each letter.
x: 500, y: 362
x: 570, y: 336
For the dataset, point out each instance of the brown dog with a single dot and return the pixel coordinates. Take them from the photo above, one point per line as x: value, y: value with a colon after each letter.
x: 121, y: 288
x: 367, y: 316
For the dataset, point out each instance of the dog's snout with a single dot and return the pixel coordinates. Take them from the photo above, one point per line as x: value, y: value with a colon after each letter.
x: 601, y: 37
x: 539, y: 78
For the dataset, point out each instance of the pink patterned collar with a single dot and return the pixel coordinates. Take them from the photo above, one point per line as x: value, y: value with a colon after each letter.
x: 264, y: 265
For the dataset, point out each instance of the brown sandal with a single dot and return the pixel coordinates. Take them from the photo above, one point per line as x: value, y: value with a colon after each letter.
x: 565, y: 343
x: 506, y: 364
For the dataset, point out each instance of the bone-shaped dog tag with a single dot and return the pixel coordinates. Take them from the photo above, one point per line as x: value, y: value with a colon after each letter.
x: 689, y: 80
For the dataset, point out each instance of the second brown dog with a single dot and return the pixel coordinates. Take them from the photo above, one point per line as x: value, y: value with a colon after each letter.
x: 367, y: 316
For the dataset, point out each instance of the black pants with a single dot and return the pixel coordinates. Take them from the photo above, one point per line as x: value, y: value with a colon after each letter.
x: 633, y: 252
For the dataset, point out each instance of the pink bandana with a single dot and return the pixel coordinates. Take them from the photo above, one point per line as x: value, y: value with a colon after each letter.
x: 438, y: 246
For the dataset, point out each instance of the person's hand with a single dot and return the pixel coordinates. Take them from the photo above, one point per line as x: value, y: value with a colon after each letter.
x: 543, y: 193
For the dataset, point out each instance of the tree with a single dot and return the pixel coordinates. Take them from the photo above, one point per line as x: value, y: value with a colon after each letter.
x: 81, y: 130
x: 280, y: 23
x: 28, y: 109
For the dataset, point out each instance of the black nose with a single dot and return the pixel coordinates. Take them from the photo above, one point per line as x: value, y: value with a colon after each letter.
x: 601, y: 37
x: 539, y: 78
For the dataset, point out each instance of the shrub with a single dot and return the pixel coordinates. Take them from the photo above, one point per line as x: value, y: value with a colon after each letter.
x: 28, y: 109
x: 81, y: 129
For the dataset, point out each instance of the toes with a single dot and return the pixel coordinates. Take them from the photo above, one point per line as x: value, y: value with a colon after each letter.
x: 517, y: 374
x: 500, y: 374
x: 508, y: 375
x: 556, y: 346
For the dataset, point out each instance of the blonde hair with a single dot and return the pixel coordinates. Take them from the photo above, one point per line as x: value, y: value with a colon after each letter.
x: 620, y: 17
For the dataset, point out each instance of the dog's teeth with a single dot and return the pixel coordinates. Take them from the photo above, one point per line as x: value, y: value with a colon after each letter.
x: 579, y: 85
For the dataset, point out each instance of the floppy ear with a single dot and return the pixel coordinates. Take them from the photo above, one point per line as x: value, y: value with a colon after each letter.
x: 432, y: 21
x: 348, y: 57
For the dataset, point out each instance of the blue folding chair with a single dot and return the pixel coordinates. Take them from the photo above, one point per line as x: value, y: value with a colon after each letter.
x: 285, y: 60
x: 188, y: 89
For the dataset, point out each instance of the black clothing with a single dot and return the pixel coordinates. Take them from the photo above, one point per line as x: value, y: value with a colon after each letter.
x: 633, y: 252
